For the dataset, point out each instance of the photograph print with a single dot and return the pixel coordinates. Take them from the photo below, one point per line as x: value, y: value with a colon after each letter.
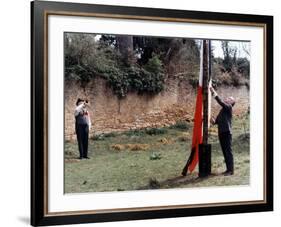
x: 148, y: 112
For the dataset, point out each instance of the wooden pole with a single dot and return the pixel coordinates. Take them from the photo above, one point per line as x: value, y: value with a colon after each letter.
x: 205, y: 148
x: 210, y: 60
x: 205, y: 90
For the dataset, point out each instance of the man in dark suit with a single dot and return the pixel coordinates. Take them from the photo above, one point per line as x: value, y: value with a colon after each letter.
x: 224, y: 122
x: 82, y: 127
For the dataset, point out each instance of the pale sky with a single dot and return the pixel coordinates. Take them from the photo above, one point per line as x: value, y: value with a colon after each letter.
x: 242, y: 48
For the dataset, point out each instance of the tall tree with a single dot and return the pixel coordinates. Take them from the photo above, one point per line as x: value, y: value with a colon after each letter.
x: 230, y: 55
x: 125, y: 46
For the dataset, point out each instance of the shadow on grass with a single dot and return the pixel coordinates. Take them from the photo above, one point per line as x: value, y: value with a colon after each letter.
x: 177, y: 181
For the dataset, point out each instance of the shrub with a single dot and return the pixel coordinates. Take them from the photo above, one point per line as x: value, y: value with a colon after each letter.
x: 153, y: 183
x: 193, y: 82
x: 243, y: 66
x: 155, y: 156
x: 98, y: 137
x: 225, y: 79
x: 136, y: 132
x: 155, y: 131
x: 244, y: 137
x: 180, y: 125
x: 111, y: 134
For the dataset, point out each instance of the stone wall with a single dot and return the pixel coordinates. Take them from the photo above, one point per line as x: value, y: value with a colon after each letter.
x: 110, y: 114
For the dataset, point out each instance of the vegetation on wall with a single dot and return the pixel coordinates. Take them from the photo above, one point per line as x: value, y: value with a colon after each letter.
x: 231, y: 70
x: 86, y: 58
x: 142, y: 64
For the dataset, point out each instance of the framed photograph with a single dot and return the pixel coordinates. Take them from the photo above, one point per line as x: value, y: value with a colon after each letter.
x: 140, y: 113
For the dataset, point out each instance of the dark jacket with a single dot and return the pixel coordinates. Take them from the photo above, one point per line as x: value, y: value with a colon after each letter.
x: 81, y: 119
x: 224, y: 118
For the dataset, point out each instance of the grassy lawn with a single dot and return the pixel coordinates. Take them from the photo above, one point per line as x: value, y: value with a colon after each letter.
x: 152, y: 158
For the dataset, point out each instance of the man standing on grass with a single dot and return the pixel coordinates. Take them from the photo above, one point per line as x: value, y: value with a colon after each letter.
x: 82, y: 127
x: 224, y: 122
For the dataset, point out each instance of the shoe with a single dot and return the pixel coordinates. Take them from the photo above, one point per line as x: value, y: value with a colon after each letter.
x: 87, y: 157
x: 228, y: 173
x: 80, y: 158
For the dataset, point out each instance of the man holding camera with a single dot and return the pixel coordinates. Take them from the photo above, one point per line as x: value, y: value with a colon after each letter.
x: 82, y: 126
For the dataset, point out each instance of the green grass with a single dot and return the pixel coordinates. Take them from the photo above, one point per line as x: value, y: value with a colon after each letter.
x: 159, y: 165
x: 181, y: 125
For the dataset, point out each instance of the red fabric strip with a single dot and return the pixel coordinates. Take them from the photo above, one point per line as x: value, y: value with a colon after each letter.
x: 197, y: 128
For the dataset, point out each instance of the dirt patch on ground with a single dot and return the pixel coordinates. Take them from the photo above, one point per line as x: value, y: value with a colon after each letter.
x: 166, y: 141
x: 131, y: 147
x: 71, y: 160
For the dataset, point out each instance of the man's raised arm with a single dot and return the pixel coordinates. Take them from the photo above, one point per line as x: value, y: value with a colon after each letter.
x: 78, y: 109
x: 219, y: 100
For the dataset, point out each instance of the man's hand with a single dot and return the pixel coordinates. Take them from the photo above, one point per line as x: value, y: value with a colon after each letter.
x: 214, y: 93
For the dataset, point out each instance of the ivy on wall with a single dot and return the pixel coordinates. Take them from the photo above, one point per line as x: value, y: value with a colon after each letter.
x: 140, y: 64
x: 108, y: 63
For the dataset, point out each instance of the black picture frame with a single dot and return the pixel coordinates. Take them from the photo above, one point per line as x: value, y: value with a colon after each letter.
x: 39, y: 121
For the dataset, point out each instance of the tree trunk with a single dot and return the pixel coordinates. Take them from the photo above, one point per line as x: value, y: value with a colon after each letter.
x: 126, y: 49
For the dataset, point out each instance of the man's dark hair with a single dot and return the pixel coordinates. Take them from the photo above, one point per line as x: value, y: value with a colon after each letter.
x: 79, y: 100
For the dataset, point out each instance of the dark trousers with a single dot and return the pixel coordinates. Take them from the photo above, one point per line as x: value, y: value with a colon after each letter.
x: 226, y: 143
x: 82, y: 132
